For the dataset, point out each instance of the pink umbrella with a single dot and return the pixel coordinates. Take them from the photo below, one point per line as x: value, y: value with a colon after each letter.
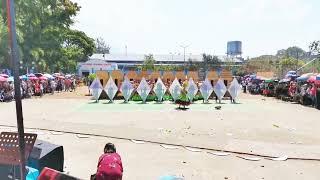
x: 4, y: 75
x: 2, y: 79
x: 33, y: 78
x: 43, y: 78
x: 312, y: 79
x: 61, y: 77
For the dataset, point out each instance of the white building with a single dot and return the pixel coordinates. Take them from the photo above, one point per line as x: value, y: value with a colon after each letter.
x: 106, y: 62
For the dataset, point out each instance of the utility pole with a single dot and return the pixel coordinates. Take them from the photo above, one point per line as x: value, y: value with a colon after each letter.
x: 184, y: 55
x: 17, y: 95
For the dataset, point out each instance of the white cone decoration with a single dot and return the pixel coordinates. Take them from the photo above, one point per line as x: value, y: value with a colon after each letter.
x: 111, y: 88
x: 143, y: 89
x: 220, y: 89
x: 126, y: 89
x: 192, y: 89
x: 175, y: 89
x: 159, y: 89
x: 96, y: 89
x: 206, y: 89
x: 234, y: 89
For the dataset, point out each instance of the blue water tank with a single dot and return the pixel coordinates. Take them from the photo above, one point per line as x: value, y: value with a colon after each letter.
x: 234, y: 48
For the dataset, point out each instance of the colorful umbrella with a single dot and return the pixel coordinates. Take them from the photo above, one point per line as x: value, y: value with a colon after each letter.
x: 2, y: 79
x: 317, y: 82
x: 284, y: 80
x: 305, y: 77
x: 61, y: 77
x: 33, y: 78
x: 48, y: 76
x: 38, y: 74
x: 56, y: 74
x: 10, y: 79
x: 260, y: 78
x: 4, y: 75
x: 24, y: 77
x: 31, y: 75
x: 43, y: 78
x: 312, y: 79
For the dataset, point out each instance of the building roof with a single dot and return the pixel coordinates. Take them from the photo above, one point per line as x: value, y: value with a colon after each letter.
x: 157, y: 57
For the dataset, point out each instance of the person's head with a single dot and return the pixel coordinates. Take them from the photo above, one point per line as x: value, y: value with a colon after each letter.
x: 109, y: 148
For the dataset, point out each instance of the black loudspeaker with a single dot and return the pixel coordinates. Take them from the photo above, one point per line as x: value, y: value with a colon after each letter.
x: 45, y: 154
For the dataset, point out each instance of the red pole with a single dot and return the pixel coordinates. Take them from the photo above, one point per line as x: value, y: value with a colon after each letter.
x: 17, y: 96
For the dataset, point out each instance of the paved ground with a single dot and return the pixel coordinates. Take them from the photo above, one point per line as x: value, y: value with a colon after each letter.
x: 257, y: 125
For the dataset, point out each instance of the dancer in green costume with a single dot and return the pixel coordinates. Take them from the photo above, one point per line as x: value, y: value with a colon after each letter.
x: 183, y: 99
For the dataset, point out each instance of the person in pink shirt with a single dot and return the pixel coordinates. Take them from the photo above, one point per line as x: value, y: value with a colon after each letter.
x: 109, y: 165
x: 313, y: 92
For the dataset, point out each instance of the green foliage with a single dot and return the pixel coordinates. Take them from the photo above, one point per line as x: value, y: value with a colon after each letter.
x: 149, y: 62
x: 292, y: 52
x: 92, y: 77
x: 290, y: 63
x: 210, y: 61
x: 315, y: 47
x: 45, y: 38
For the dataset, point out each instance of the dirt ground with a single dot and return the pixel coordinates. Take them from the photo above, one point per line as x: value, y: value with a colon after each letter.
x: 257, y: 125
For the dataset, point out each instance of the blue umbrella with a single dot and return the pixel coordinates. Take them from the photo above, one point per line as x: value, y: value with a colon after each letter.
x: 292, y: 72
x: 10, y: 79
x: 24, y: 77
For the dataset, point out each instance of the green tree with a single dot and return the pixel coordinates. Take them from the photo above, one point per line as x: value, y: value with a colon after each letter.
x: 45, y: 38
x: 315, y: 47
x: 149, y: 62
x: 293, y: 52
x: 210, y: 61
x: 102, y: 47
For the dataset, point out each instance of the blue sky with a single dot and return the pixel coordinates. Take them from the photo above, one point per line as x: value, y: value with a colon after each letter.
x: 161, y: 26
